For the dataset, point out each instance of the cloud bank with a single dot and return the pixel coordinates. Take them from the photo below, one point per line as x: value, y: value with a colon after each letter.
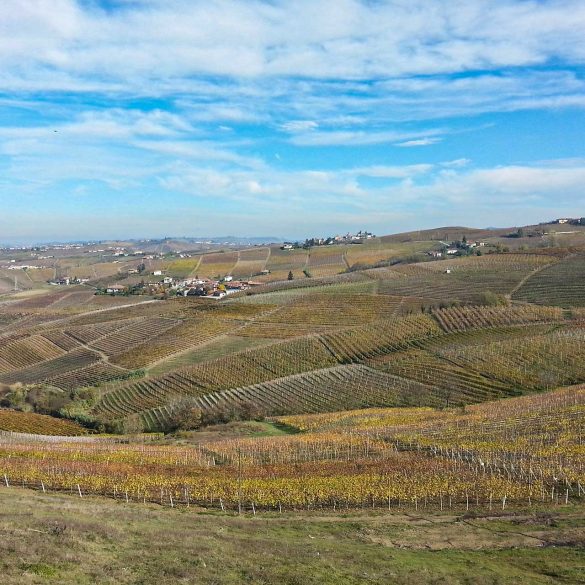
x: 273, y: 115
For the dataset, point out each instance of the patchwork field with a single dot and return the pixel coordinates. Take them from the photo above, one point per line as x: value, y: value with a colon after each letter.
x: 378, y: 400
x: 423, y: 333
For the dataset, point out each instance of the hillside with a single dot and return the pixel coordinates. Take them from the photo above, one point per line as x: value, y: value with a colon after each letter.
x: 400, y: 328
x: 424, y: 408
x: 59, y: 539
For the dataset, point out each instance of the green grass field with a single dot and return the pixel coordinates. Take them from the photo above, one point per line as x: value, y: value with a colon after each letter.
x: 51, y: 538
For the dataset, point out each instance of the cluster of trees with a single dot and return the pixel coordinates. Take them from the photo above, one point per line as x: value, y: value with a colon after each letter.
x: 187, y: 417
x: 42, y: 398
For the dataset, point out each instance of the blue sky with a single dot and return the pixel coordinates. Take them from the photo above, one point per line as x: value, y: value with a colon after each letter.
x: 146, y: 118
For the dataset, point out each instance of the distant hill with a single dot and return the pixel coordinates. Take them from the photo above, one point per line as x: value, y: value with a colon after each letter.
x: 448, y: 233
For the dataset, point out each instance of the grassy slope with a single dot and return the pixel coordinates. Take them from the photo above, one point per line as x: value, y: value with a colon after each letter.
x: 231, y: 430
x: 60, y: 539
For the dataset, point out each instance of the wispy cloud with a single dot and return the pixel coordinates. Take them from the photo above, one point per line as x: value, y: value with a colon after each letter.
x: 361, y: 137
x: 292, y: 109
x: 299, y: 126
x: 329, y: 39
x: 419, y: 142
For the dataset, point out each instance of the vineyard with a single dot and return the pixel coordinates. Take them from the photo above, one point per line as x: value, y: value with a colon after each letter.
x: 464, y: 279
x: 251, y: 262
x: 329, y: 389
x: 241, y: 369
x: 51, y: 368
x: 14, y: 421
x: 28, y: 351
x: 462, y: 318
x: 414, y: 385
x: 348, y: 309
x: 561, y: 284
x: 527, y: 450
x: 533, y: 363
x: 221, y: 264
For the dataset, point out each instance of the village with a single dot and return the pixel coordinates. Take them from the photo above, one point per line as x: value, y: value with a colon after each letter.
x: 169, y: 286
x: 357, y: 238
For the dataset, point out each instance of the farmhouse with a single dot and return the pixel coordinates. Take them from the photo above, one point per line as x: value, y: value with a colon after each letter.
x: 115, y: 289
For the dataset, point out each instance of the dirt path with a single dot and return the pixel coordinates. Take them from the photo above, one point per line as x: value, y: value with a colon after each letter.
x: 209, y: 341
x: 193, y: 272
x: 529, y: 276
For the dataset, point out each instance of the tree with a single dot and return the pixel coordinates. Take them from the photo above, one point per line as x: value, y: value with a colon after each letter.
x: 290, y: 275
x: 186, y: 418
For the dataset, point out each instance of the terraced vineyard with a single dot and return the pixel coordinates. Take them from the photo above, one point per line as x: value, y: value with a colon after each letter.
x: 464, y: 279
x: 489, y: 457
x: 532, y: 363
x: 37, y: 424
x: 337, y: 388
x: 241, y: 369
x: 462, y: 318
x: 562, y: 284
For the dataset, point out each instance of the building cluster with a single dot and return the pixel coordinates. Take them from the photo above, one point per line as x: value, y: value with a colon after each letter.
x: 569, y: 221
x: 187, y: 287
x: 348, y: 238
x: 463, y: 247
x: 68, y: 281
x: 22, y: 266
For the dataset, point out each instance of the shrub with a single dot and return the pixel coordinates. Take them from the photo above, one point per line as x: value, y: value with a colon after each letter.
x: 492, y: 299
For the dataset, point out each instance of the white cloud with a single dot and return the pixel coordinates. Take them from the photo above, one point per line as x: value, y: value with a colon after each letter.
x: 390, y: 172
x: 195, y: 97
x: 458, y: 162
x: 299, y: 126
x: 359, y: 137
x: 419, y: 142
x: 328, y: 39
x: 443, y: 185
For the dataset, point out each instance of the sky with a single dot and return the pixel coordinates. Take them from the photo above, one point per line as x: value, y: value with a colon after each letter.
x: 153, y: 118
